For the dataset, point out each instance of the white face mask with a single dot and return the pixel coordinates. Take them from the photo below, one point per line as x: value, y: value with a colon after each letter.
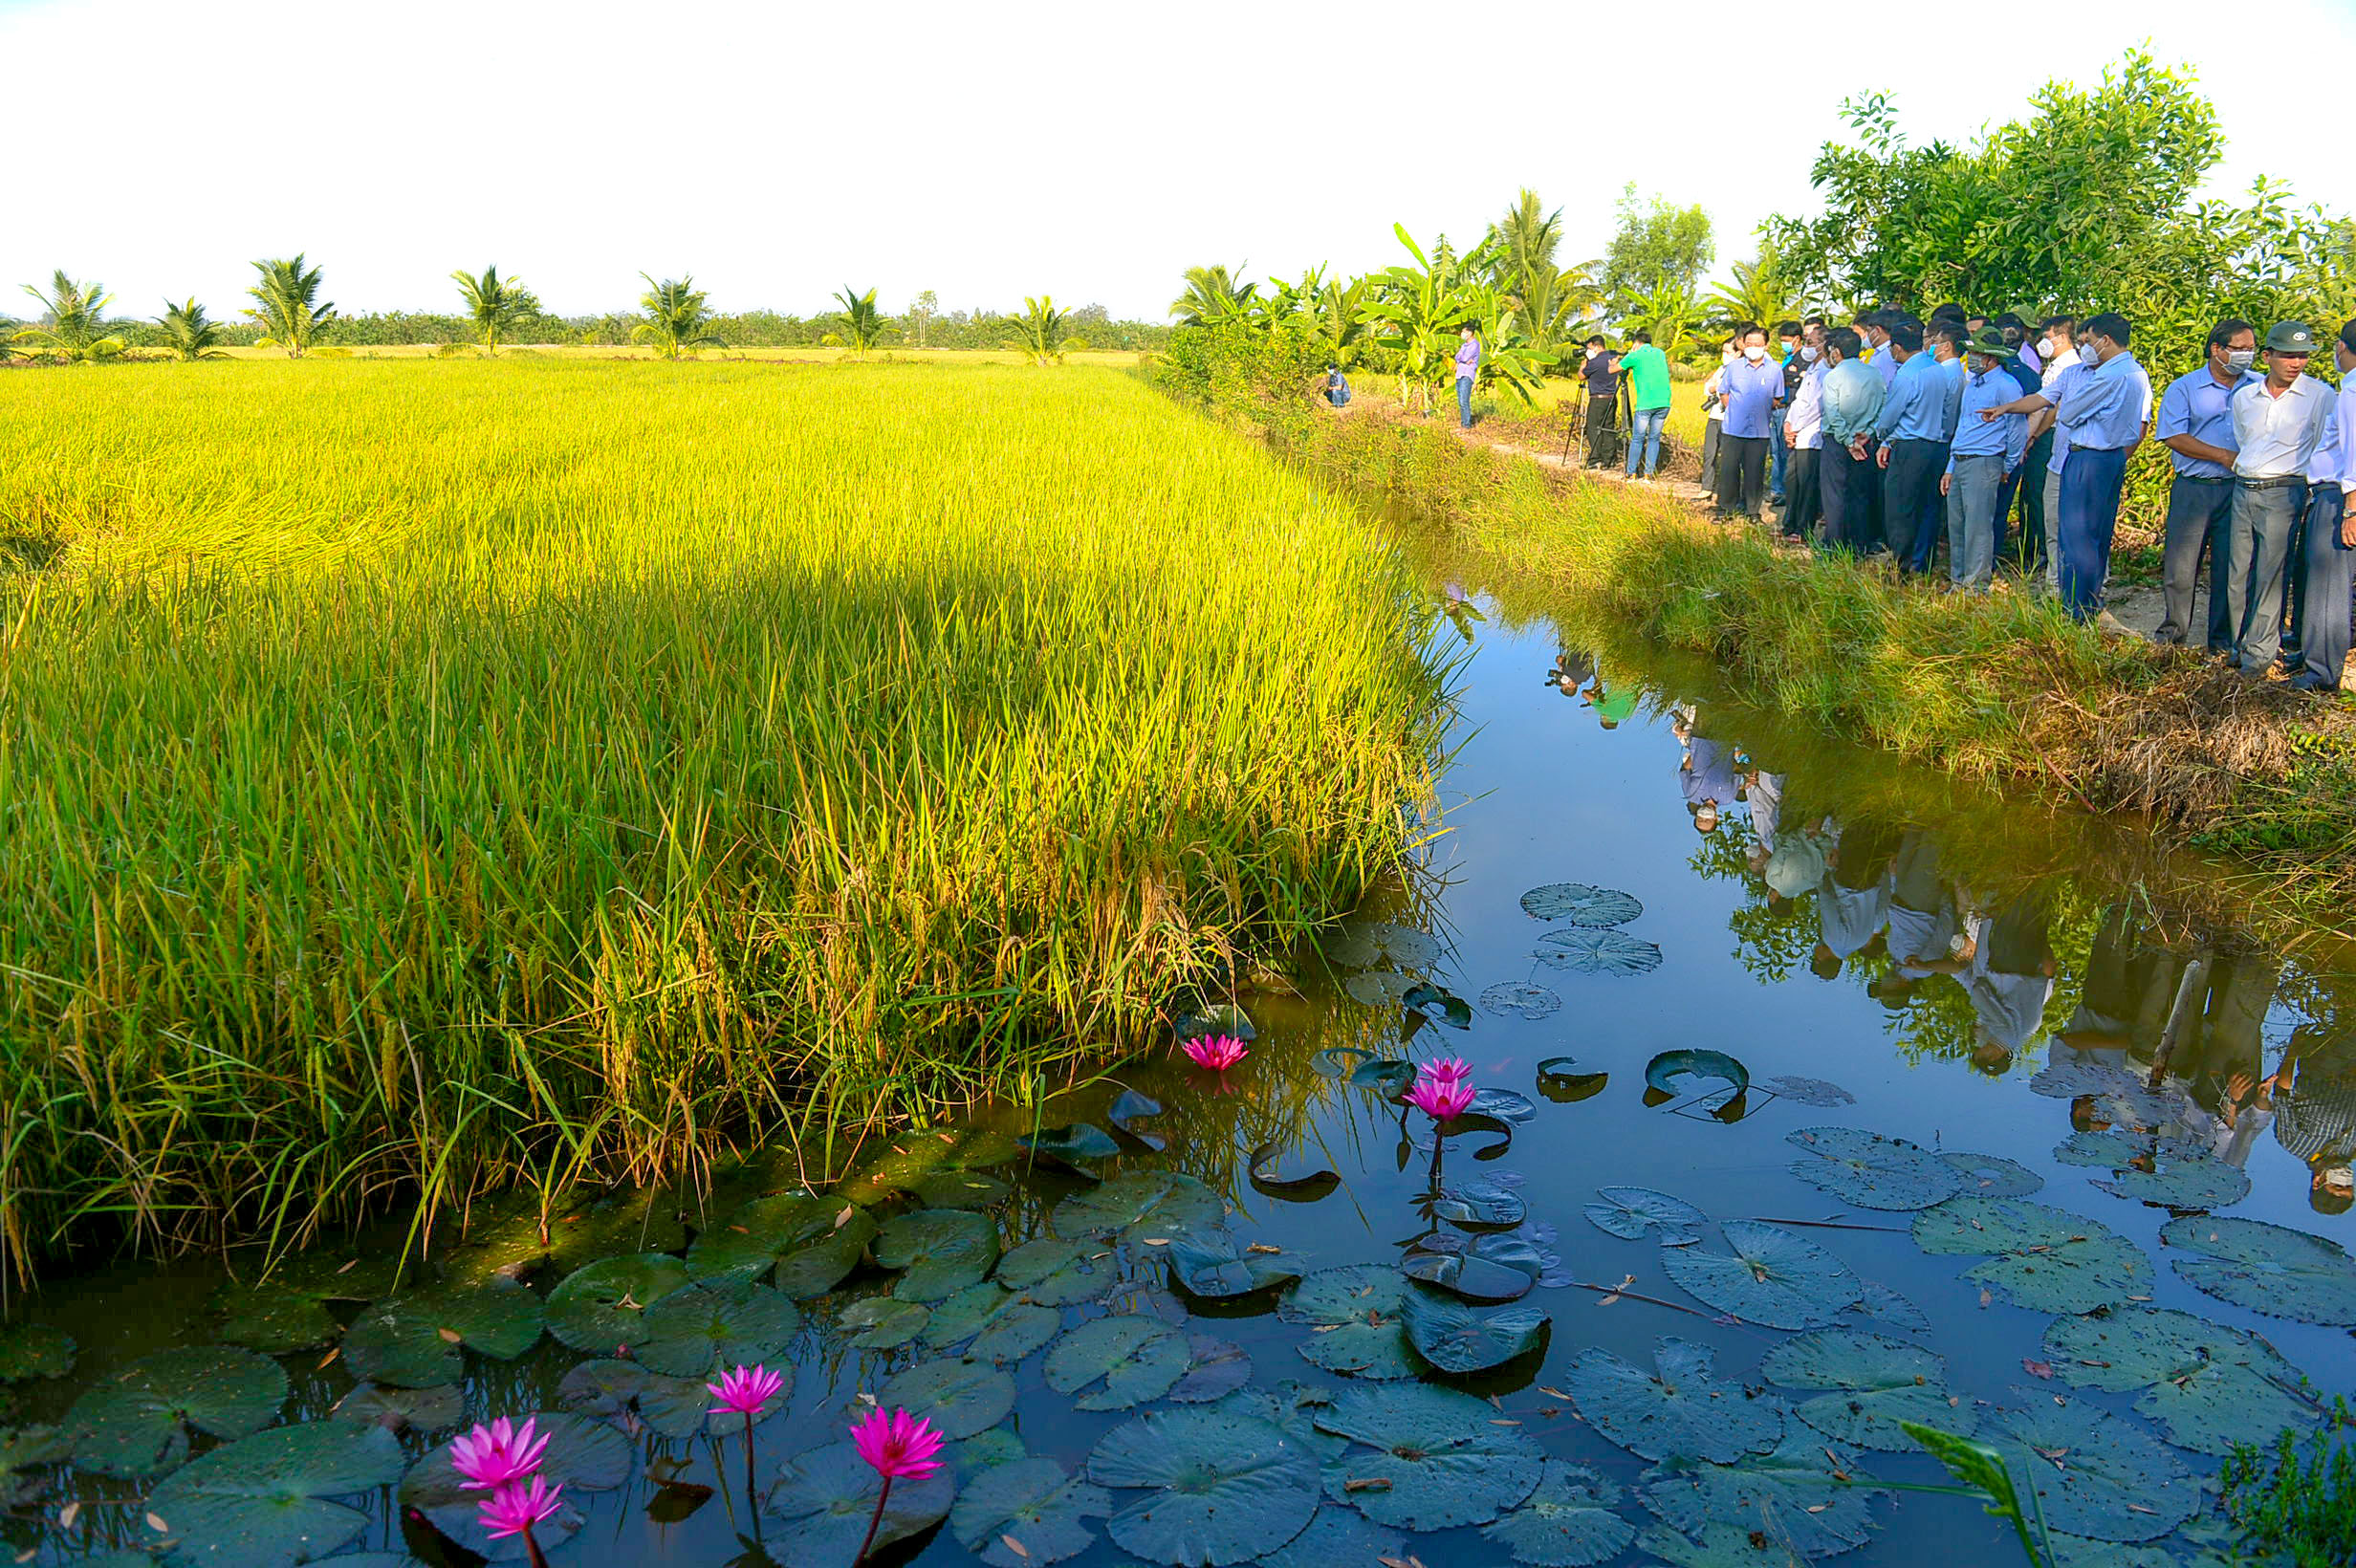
x: 1753, y: 351
x: 1808, y: 353
x: 2044, y: 348
x: 2239, y: 360
x: 1726, y: 357
x: 1593, y: 352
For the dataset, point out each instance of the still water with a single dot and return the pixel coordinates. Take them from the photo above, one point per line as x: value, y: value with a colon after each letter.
x: 1878, y: 951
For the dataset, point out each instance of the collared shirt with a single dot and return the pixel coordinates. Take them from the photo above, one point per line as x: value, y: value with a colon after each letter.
x: 1713, y: 385
x: 1467, y: 359
x: 2197, y: 405
x: 1750, y: 391
x: 2066, y: 372
x: 2104, y: 410
x: 1852, y: 401
x: 1952, y: 410
x: 1975, y: 437
x: 2345, y: 428
x: 1916, y: 407
x: 1886, y: 364
x: 1648, y: 369
x: 2276, y: 437
x: 1804, y: 422
x: 2332, y: 460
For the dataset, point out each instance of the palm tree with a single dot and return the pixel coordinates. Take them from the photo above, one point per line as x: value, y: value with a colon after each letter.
x: 1043, y: 342
x: 1759, y: 293
x: 193, y: 335
x: 1212, y: 295
x: 676, y: 316
x: 1667, y: 313
x: 287, y: 305
x: 73, y: 324
x: 497, y: 304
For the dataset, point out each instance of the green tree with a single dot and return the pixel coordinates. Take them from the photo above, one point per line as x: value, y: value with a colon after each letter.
x: 1422, y: 306
x: 498, y: 305
x: 73, y: 323
x: 1761, y: 292
x: 859, y: 323
x: 192, y: 333
x: 1044, y: 339
x: 286, y: 303
x: 678, y: 318
x: 1669, y: 313
x: 1549, y: 299
x: 922, y: 311
x: 1657, y: 245
x: 1212, y: 295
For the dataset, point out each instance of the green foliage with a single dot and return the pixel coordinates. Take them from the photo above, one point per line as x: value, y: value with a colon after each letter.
x: 497, y: 305
x: 2299, y: 1499
x: 677, y: 317
x: 193, y: 334
x: 1763, y: 292
x: 72, y: 325
x: 287, y: 305
x: 859, y: 324
x: 1656, y: 247
x: 1237, y: 366
x: 1549, y: 299
x: 1213, y: 295
x: 1985, y: 1475
x: 1044, y: 339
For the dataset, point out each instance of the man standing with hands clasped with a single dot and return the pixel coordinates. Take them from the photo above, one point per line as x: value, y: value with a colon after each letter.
x: 1752, y: 389
x: 2330, y: 533
x: 2196, y: 426
x: 2103, y: 414
x: 2278, y: 424
x: 1911, y: 428
x: 1850, y: 401
x: 1983, y: 453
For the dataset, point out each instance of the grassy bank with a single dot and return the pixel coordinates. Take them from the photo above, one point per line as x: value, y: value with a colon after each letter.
x: 420, y: 777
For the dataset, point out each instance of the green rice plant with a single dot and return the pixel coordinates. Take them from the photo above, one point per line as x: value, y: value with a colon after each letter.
x: 422, y: 780
x: 2297, y: 1502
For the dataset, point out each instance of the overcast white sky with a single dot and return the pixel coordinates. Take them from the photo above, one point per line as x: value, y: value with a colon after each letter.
x: 778, y: 151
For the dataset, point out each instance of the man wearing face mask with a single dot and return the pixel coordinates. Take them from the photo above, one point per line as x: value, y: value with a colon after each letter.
x: 1752, y: 389
x: 1913, y: 422
x: 2064, y: 366
x: 2196, y: 426
x: 2027, y: 482
x: 1602, y: 372
x: 2330, y: 533
x: 1983, y: 452
x: 1851, y: 400
x: 2103, y: 414
x: 1787, y: 337
x: 1804, y: 436
x: 2278, y: 424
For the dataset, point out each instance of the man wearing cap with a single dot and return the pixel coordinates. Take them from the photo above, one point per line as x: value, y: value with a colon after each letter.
x: 1983, y: 453
x: 2278, y: 424
x: 2196, y: 426
x: 2103, y: 414
x: 2331, y: 530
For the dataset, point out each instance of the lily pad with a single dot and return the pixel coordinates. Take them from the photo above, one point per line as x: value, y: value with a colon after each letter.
x: 1871, y: 1170
x: 412, y: 1341
x: 674, y: 1407
x: 985, y: 1450
x: 1769, y: 1276
x: 1877, y: 1383
x: 959, y: 1397
x: 1269, y: 1178
x: 1440, y: 1005
x: 1029, y: 1512
x: 1581, y: 903
x: 1809, y: 1091
x: 1560, y: 1082
x: 1053, y: 1272
x: 23, y: 1451
x: 2096, y: 1474
x: 2208, y: 1387
x: 1218, y: 1488
x: 941, y: 1252
x: 813, y: 1241
x: 1215, y: 1368
x: 1481, y: 1204
x: 286, y: 1310
x: 135, y: 1422
x: 2266, y: 1268
x: 1291, y: 1408
x: 1379, y: 988
x: 1338, y: 1537
x: 1445, y: 1459
x: 1629, y: 1211
x: 1214, y: 1264
x: 1003, y: 1328
x: 1667, y: 1075
x: 957, y: 1189
x: 602, y: 1306
x: 1386, y: 1076
x: 1521, y: 1000
x: 1795, y: 1496
x: 1567, y: 1522
x: 884, y: 1323
x: 1679, y: 1409
x: 1357, y: 1318
x: 1363, y: 943
x: 1490, y: 1268
x: 1461, y: 1338
x: 1505, y: 1104
x: 705, y: 1328
x: 2045, y: 1259
x: 2157, y: 1171
x: 823, y: 1503
x: 1720, y: 1544
x: 1597, y: 952
x: 1880, y: 1304
x: 1141, y: 1205
x: 1128, y: 1108
x: 260, y: 1501
x: 1117, y: 1363
x: 1993, y: 1176
x: 403, y: 1409
x: 1075, y: 1145
x: 582, y: 1455
x: 35, y: 1350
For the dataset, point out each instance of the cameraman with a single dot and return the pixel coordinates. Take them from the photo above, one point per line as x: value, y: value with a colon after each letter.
x: 1601, y: 373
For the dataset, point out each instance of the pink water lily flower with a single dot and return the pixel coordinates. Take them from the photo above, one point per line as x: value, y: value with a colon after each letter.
x: 900, y: 1446
x: 1443, y: 1100
x: 492, y: 1456
x: 1216, y: 1051
x: 745, y: 1390
x: 517, y: 1507
x: 1448, y: 1069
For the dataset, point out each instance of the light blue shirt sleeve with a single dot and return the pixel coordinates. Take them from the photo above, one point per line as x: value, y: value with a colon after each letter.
x: 2106, y: 407
x: 2175, y: 416
x: 2015, y: 440
x: 1904, y: 395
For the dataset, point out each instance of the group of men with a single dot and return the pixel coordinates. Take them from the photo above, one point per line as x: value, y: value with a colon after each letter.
x: 1892, y: 433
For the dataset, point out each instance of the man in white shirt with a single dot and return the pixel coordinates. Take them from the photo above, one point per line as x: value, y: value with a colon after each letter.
x: 1803, y: 438
x: 2278, y: 424
x: 2330, y: 528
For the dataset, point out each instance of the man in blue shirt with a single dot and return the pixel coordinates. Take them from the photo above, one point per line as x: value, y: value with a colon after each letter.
x: 1787, y: 333
x: 1984, y: 451
x: 2196, y: 426
x: 2103, y: 414
x: 1752, y: 389
x: 2331, y: 533
x: 1910, y: 428
x: 1850, y: 401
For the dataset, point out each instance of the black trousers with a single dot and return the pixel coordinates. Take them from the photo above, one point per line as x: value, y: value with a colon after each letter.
x: 1803, y: 504
x: 2029, y: 479
x: 1909, y: 485
x: 1847, y: 486
x: 2200, y: 520
x: 1742, y: 475
x: 1600, y: 412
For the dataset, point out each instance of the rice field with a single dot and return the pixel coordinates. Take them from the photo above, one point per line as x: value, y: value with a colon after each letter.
x: 423, y: 777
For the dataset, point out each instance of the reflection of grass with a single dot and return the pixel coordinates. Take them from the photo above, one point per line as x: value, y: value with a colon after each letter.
x: 425, y: 772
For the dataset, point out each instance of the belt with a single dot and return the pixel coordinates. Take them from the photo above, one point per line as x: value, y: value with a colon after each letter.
x: 2276, y: 483
x: 2204, y: 479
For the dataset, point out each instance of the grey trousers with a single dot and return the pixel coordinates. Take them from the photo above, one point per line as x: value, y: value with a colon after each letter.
x: 2263, y: 522
x: 2325, y: 595
x: 2200, y: 517
x: 2053, y: 526
x: 1972, y: 520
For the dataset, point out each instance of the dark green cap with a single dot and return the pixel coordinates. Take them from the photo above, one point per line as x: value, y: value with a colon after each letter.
x: 1989, y: 340
x: 2290, y: 338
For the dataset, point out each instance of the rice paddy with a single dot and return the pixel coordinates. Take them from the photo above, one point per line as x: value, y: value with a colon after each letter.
x: 424, y: 778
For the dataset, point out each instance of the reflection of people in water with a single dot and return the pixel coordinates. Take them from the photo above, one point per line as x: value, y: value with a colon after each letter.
x: 1706, y: 773
x: 1572, y: 670
x: 2314, y: 1091
x: 1852, y: 902
x: 2010, y: 979
x: 1925, y: 933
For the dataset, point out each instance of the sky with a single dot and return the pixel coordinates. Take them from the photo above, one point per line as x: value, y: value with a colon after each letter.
x: 779, y: 152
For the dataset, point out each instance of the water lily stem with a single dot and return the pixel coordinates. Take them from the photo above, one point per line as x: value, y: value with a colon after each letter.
x: 750, y: 1501
x: 532, y: 1550
x: 881, y: 1498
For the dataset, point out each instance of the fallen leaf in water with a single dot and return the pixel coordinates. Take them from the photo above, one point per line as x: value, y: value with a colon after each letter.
x: 157, y: 1525
x: 2035, y: 1367
x: 1014, y: 1546
x: 67, y: 1515
x: 1366, y: 1483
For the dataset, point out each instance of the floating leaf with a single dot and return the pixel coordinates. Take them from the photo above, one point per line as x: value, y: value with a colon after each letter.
x: 2046, y: 1259
x: 2096, y: 1474
x: 1456, y: 1338
x: 1357, y: 1317
x: 1567, y: 1522
x: 1004, y: 1328
x: 1338, y: 1061
x: 707, y: 1328
x: 1719, y: 1545
x: 1128, y: 1108
x: 135, y: 1422
x: 1678, y: 1408
x: 1215, y: 1368
x: 1884, y: 1306
x: 984, y: 1450
x: 1877, y: 1383
x: 1363, y: 943
x: 35, y: 1350
x: 675, y: 1408
x: 1052, y: 1272
x: 2157, y: 1170
x: 1219, y: 1488
x: 1505, y: 1104
x: 1224, y: 1018
x: 1519, y: 1000
x: 412, y: 1341
x: 1809, y: 1091
x: 1214, y: 1264
x: 260, y: 1501
x: 1439, y: 1005
x: 287, y: 1310
x: 602, y: 1306
x: 1597, y: 952
x: 1445, y: 1459
x: 582, y: 1455
x: 1771, y: 1276
x: 2208, y: 1387
x: 957, y: 1189
x: 1153, y: 1203
x: 1390, y: 1077
x: 959, y: 1397
x: 823, y: 1503
x: 1667, y: 1074
x: 1581, y: 903
x: 1481, y: 1203
x: 1338, y: 1537
x: 1115, y: 1363
x: 884, y: 1323
x: 1993, y: 1176
x: 1629, y: 1211
x: 1074, y: 1145
x: 1268, y: 1177
x: 1482, y: 1268
x: 813, y: 1241
x: 1292, y: 1408
x: 403, y: 1409
x: 1797, y: 1495
x: 1559, y: 1084
x: 1379, y: 988
x: 1029, y: 1512
x: 1870, y: 1170
x: 23, y: 1450
x: 2266, y: 1268
x: 941, y: 1252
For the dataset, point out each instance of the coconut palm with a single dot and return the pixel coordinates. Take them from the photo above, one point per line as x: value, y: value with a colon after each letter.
x: 287, y: 305
x: 1759, y: 293
x: 498, y: 304
x: 676, y: 318
x: 73, y: 324
x: 1043, y: 341
x: 1213, y: 295
x: 861, y: 322
x: 193, y: 335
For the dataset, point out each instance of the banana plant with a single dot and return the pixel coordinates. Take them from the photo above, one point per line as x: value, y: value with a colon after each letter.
x: 676, y: 318
x: 1509, y: 356
x: 1422, y: 306
x: 286, y: 302
x: 193, y: 335
x: 73, y: 324
x: 498, y: 305
x: 1667, y: 312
